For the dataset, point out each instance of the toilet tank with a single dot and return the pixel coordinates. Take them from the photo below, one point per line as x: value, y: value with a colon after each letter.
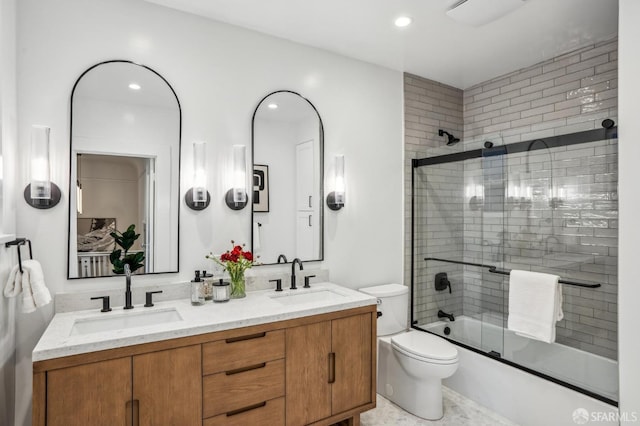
x: 393, y: 303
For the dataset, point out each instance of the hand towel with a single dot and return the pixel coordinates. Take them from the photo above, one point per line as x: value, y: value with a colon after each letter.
x: 31, y: 283
x: 535, y: 304
x: 14, y: 283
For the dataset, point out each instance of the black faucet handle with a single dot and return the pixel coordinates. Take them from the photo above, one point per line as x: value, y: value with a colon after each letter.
x: 306, y: 280
x: 149, y: 298
x: 278, y: 284
x: 106, y: 302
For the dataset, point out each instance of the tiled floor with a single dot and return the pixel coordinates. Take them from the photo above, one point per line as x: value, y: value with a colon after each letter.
x: 458, y: 411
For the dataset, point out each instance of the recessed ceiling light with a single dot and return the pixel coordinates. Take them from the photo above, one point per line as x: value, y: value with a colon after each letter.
x: 134, y: 86
x: 272, y: 106
x: 403, y: 21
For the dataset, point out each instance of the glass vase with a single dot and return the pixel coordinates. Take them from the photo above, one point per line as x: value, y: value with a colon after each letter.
x: 238, y: 286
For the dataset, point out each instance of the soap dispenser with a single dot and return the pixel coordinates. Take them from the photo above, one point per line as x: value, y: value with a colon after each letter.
x: 197, y: 290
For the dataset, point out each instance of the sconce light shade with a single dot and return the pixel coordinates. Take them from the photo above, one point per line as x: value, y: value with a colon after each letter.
x: 197, y: 197
x: 336, y: 199
x: 79, y: 206
x: 236, y: 197
x: 41, y: 193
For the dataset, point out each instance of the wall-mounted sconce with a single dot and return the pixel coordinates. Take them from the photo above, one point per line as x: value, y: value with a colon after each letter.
x: 335, y: 199
x: 41, y: 193
x: 236, y: 197
x: 79, y: 197
x: 79, y: 207
x: 197, y: 197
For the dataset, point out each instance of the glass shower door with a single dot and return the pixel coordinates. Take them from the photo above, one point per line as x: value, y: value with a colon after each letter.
x: 491, y: 297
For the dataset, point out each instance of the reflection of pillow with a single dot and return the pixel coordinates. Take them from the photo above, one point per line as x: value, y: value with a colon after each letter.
x: 98, y: 240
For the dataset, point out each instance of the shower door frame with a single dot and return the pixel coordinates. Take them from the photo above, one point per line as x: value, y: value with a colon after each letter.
x: 518, y: 147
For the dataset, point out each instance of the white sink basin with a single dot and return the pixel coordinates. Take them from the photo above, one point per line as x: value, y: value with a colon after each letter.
x: 121, y: 321
x: 302, y: 296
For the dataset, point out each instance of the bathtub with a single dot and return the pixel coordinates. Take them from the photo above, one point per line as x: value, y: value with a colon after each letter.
x: 587, y: 371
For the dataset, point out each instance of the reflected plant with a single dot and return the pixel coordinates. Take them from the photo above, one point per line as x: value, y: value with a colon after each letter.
x: 120, y: 257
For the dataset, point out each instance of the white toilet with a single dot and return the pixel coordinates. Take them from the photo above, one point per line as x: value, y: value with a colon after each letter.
x: 411, y: 364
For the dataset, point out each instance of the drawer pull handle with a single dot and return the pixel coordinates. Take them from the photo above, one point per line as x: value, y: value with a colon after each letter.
x: 249, y: 337
x: 243, y: 369
x: 332, y: 367
x: 245, y: 409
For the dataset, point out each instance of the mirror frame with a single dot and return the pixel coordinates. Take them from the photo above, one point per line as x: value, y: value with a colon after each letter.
x: 253, y: 141
x: 71, y: 186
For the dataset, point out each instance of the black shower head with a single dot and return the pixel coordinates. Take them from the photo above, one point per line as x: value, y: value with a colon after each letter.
x: 452, y: 139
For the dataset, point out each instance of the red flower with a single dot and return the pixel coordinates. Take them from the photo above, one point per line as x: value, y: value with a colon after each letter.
x: 247, y: 255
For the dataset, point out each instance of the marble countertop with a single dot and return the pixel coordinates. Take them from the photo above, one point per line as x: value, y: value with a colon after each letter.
x: 259, y: 307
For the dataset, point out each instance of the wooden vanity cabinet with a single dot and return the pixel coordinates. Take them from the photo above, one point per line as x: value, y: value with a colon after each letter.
x: 98, y: 394
x: 316, y: 370
x: 329, y: 368
x: 156, y: 388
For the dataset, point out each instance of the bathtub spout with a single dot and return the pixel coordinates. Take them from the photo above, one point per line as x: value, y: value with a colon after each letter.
x: 442, y: 314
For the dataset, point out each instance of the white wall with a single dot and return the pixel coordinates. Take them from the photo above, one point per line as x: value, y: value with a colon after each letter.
x: 219, y: 73
x: 8, y: 146
x: 629, y: 154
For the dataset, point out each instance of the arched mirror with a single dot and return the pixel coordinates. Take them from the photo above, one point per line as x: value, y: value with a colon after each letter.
x: 288, y: 154
x: 125, y: 172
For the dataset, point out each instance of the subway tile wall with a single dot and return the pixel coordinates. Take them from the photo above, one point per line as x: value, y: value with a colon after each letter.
x: 561, y: 216
x: 430, y: 106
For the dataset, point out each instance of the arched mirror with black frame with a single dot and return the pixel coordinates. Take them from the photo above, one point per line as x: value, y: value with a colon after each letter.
x: 288, y: 166
x: 124, y: 172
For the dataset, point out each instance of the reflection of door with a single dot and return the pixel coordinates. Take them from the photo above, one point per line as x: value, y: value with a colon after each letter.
x: 148, y: 218
x: 307, y: 217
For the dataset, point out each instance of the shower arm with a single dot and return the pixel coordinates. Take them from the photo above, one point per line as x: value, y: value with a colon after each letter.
x: 495, y: 270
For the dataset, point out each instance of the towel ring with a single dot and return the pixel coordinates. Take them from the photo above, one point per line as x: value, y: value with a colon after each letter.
x: 20, y: 242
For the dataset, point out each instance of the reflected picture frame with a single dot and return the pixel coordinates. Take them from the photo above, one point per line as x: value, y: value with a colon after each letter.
x: 261, y: 188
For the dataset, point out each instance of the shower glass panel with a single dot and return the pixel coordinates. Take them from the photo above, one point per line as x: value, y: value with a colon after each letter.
x: 439, y: 226
x: 561, y: 217
x: 545, y: 206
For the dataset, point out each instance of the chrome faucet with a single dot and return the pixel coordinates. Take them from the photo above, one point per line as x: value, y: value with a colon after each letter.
x: 127, y: 293
x: 283, y: 258
x: 293, y: 272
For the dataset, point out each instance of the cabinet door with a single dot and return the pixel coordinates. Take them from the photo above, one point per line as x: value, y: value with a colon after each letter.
x: 305, y: 176
x: 306, y: 235
x: 307, y: 371
x: 92, y: 394
x: 167, y: 387
x: 351, y: 343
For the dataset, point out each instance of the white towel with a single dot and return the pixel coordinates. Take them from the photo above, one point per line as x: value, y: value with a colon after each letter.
x: 30, y: 283
x: 256, y: 237
x: 535, y: 304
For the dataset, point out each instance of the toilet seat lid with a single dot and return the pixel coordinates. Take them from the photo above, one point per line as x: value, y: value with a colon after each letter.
x: 425, y: 345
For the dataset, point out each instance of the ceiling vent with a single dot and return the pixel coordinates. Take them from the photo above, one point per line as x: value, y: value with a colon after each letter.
x: 480, y: 12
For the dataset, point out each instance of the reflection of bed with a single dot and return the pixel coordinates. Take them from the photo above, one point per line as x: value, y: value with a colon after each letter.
x: 94, y: 246
x: 94, y: 234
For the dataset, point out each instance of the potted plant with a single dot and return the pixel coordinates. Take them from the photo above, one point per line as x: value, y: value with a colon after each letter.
x: 119, y: 258
x: 235, y: 262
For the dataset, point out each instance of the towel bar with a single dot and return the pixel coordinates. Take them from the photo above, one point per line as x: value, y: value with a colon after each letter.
x: 20, y: 242
x: 494, y: 270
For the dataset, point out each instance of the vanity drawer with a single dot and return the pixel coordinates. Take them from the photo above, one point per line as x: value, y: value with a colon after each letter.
x: 236, y: 389
x: 242, y: 351
x: 265, y: 413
